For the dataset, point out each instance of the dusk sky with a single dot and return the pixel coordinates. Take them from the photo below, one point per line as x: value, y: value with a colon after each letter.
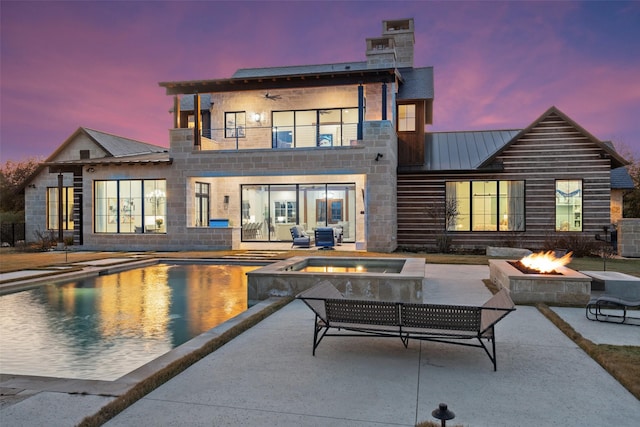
x: 497, y: 65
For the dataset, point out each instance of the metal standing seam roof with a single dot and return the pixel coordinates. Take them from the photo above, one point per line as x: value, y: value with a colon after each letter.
x: 119, y: 146
x: 457, y: 151
x: 137, y: 159
x: 252, y: 73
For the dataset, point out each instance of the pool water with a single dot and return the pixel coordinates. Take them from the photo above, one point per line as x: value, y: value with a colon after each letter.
x: 345, y: 265
x: 344, y: 269
x: 107, y: 326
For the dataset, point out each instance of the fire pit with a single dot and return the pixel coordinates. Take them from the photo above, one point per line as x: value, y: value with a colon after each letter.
x: 544, y: 278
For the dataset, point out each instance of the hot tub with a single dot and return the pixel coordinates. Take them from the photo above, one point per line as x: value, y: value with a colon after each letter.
x: 384, y: 279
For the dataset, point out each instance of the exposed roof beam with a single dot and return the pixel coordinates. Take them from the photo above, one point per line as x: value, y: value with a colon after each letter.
x: 279, y: 82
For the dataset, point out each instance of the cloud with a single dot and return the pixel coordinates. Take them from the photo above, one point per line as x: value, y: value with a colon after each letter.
x: 497, y: 64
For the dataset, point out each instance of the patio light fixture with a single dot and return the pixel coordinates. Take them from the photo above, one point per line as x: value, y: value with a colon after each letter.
x: 443, y: 414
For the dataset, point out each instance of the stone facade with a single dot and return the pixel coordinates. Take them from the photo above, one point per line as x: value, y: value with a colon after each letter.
x: 570, y: 287
x: 629, y: 237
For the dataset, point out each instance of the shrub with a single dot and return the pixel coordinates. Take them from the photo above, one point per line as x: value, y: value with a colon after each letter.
x: 580, y: 245
x: 45, y: 239
x: 443, y: 243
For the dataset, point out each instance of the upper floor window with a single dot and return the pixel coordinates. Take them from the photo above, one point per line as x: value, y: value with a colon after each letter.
x: 569, y: 205
x: 130, y: 206
x: 406, y: 118
x: 314, y: 128
x: 52, y: 208
x: 484, y: 206
x: 235, y: 123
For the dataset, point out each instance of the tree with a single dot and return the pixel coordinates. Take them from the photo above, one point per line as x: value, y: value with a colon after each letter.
x: 12, y: 177
x: 632, y: 199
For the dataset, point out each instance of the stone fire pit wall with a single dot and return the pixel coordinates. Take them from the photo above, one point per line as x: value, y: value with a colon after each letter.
x: 571, y: 287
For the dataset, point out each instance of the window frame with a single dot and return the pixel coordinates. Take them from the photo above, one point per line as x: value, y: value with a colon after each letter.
x: 326, y: 133
x: 202, y: 199
x: 67, y: 206
x: 406, y: 121
x: 574, y: 212
x: 515, y: 222
x: 235, y: 124
x: 115, y: 201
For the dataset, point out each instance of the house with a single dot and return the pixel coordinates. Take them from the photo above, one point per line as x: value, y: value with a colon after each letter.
x: 340, y: 145
x: 54, y: 193
x: 509, y: 187
x: 621, y: 184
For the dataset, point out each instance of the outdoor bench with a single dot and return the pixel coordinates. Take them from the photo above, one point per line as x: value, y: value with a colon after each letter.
x: 451, y: 324
x: 620, y: 306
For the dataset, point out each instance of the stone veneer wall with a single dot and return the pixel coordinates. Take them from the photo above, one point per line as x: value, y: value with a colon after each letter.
x: 629, y: 237
x: 36, y: 202
x: 376, y: 226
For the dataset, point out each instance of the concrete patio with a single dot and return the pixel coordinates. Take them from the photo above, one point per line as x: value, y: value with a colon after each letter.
x: 267, y: 376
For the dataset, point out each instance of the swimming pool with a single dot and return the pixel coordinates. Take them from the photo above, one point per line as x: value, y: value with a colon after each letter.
x: 105, y: 327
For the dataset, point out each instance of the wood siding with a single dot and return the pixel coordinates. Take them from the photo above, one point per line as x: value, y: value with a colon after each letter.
x: 552, y: 149
x: 411, y: 144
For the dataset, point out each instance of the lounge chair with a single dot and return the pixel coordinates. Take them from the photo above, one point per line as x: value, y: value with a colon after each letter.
x: 325, y: 237
x: 300, y: 237
x: 620, y: 298
x: 451, y: 324
x: 616, y: 310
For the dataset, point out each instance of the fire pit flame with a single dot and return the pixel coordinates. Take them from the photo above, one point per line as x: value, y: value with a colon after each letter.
x: 545, y: 262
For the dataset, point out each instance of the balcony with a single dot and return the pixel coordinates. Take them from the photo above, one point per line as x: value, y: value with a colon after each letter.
x: 279, y: 137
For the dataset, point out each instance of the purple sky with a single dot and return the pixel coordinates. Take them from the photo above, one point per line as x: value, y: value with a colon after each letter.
x: 497, y: 65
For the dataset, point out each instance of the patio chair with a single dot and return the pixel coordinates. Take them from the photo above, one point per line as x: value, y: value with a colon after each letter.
x: 325, y: 237
x: 620, y: 299
x: 616, y: 310
x: 300, y: 237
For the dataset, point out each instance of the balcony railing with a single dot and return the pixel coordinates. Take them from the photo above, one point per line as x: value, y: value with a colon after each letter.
x: 279, y: 137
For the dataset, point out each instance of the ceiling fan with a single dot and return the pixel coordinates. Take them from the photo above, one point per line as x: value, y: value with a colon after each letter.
x: 272, y: 97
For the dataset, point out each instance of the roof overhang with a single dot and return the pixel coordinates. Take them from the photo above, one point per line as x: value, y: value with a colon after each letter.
x: 76, y: 165
x: 341, y: 78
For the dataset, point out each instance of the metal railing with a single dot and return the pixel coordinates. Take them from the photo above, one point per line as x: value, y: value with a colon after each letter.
x: 10, y: 233
x: 279, y: 137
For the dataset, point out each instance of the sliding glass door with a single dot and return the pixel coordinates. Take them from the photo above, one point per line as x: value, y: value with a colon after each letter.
x: 269, y: 211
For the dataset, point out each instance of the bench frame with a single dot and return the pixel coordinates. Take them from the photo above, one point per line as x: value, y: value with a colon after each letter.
x: 610, y: 302
x: 450, y: 324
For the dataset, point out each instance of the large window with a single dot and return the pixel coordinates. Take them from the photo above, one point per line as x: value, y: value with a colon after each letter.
x: 130, y: 206
x: 269, y: 211
x: 406, y: 118
x: 569, y: 205
x: 235, y: 124
x: 67, y: 208
x: 314, y: 128
x: 202, y: 204
x: 484, y: 206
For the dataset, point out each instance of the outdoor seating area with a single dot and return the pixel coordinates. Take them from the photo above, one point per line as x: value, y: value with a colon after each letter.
x: 444, y: 323
x: 300, y: 237
x: 607, y: 308
x: 412, y: 381
x: 620, y: 302
x: 325, y: 237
